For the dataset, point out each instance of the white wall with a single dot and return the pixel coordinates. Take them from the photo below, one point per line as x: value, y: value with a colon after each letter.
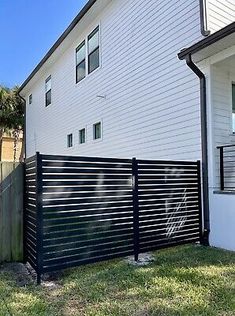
x: 222, y: 220
x: 220, y: 13
x: 151, y: 108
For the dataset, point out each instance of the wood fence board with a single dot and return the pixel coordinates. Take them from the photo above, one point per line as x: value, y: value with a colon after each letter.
x: 11, y: 211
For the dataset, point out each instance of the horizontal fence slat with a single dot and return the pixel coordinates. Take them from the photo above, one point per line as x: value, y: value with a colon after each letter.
x: 89, y: 213
x: 86, y: 159
x: 88, y: 172
x: 73, y: 195
x: 85, y: 188
x: 96, y: 165
x: 96, y: 199
x: 86, y: 181
x: 166, y: 162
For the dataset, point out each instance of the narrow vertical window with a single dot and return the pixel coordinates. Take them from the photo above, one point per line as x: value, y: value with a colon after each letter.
x: 70, y: 140
x: 30, y: 99
x: 97, y: 130
x: 80, y: 62
x: 48, y: 91
x: 233, y: 106
x: 93, y: 50
x: 82, y: 136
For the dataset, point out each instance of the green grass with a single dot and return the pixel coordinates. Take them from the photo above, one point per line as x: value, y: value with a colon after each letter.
x: 187, y: 280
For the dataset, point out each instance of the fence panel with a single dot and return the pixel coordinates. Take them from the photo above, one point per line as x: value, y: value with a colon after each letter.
x: 11, y: 211
x: 169, y: 203
x: 87, y: 209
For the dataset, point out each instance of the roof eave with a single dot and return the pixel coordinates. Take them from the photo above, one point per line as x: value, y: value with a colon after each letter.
x: 211, y: 39
x: 75, y: 21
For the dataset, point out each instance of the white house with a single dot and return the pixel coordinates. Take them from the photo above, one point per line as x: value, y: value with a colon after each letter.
x: 145, y: 78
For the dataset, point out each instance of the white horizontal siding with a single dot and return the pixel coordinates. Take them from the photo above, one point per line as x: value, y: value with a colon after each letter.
x: 220, y: 13
x: 151, y: 109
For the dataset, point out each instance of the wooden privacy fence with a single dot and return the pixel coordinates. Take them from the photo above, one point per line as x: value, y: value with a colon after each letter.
x: 11, y: 211
x: 86, y: 209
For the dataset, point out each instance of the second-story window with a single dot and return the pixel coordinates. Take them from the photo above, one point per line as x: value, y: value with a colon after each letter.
x: 30, y: 99
x: 88, y: 55
x: 48, y: 91
x: 93, y: 50
x: 81, y: 62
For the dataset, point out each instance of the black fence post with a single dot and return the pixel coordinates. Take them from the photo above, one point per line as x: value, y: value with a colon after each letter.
x: 24, y: 215
x: 135, y: 207
x: 39, y: 218
x: 221, y: 151
x: 201, y: 228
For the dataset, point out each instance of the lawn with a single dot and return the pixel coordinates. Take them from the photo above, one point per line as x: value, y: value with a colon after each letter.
x: 187, y: 280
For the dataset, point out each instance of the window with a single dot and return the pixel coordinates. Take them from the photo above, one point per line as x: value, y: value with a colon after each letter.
x: 30, y: 99
x: 80, y: 62
x: 48, y: 91
x: 70, y: 140
x: 88, y: 55
x: 97, y: 130
x: 82, y: 136
x: 93, y: 50
x: 233, y: 106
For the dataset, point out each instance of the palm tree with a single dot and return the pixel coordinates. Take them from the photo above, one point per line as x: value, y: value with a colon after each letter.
x: 11, y: 114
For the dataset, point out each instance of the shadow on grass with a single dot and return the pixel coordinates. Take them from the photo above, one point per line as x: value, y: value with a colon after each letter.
x: 188, y: 280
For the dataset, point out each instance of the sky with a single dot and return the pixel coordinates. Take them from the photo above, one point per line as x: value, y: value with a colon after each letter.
x: 28, y: 29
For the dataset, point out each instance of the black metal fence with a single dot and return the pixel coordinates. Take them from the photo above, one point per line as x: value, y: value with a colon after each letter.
x: 227, y: 167
x: 86, y: 209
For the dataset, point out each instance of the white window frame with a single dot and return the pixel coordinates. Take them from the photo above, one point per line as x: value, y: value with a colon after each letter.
x: 87, y: 74
x: 231, y: 96
x: 48, y: 78
x: 83, y: 128
x: 30, y: 99
x: 93, y: 131
x: 68, y: 147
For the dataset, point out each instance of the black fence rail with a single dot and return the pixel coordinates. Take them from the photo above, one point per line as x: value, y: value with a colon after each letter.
x: 227, y: 167
x: 81, y: 210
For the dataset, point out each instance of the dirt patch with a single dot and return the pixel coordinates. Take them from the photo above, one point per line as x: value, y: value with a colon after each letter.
x: 24, y: 274
x: 144, y: 259
x: 18, y: 272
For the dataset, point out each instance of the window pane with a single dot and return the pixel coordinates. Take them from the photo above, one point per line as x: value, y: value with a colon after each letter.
x: 30, y: 99
x: 82, y: 136
x: 93, y: 60
x: 233, y: 97
x: 97, y: 130
x: 93, y: 40
x: 48, y: 97
x: 80, y: 71
x: 70, y: 140
x: 48, y: 84
x: 233, y: 118
x: 80, y: 53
